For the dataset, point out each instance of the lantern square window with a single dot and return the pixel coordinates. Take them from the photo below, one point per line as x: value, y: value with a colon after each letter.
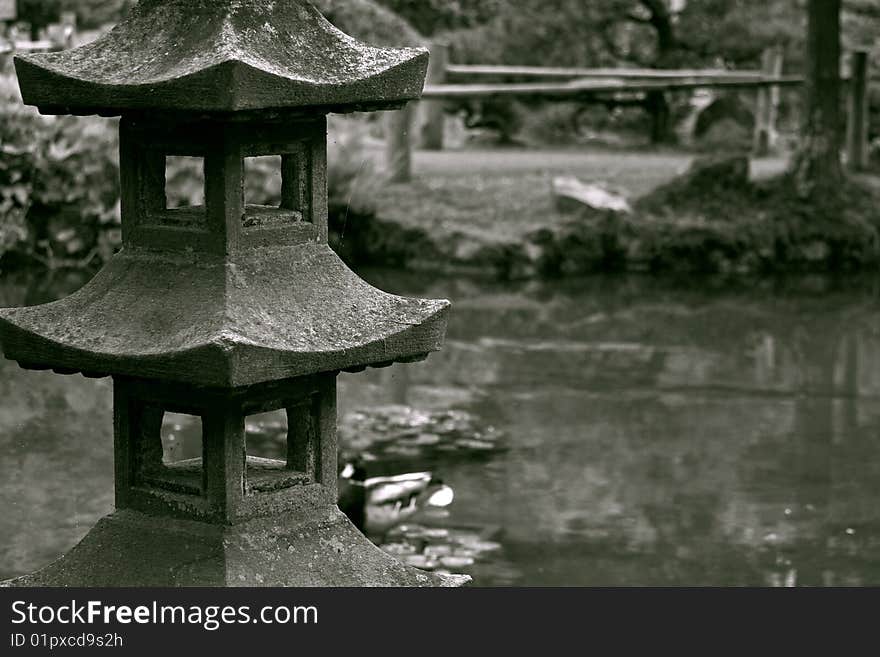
x: 262, y: 181
x: 275, y: 459
x: 184, y: 182
x: 281, y: 449
x: 170, y: 188
x: 277, y: 189
x: 181, y: 438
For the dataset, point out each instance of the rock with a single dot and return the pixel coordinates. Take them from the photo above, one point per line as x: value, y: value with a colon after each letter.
x: 457, y: 562
x: 573, y: 195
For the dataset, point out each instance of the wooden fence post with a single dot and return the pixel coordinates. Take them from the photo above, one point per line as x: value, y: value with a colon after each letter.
x: 432, y: 132
x: 398, y: 153
x: 68, y: 20
x: 857, y: 118
x: 767, y: 112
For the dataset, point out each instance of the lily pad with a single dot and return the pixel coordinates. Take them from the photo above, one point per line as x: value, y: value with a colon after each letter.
x: 456, y: 562
x: 421, y: 562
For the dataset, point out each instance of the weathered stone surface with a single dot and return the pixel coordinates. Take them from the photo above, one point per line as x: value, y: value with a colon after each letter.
x: 221, y: 56
x: 573, y: 195
x: 130, y: 549
x: 261, y: 315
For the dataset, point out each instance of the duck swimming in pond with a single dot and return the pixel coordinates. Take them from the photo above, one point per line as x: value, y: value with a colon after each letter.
x: 377, y: 504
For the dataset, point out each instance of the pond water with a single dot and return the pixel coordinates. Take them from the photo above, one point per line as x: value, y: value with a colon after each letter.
x: 643, y: 431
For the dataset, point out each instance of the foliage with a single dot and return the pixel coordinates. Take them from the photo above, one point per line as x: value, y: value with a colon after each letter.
x: 365, y: 19
x: 552, y: 123
x: 433, y: 16
x: 369, y: 21
x: 713, y: 219
x: 568, y: 123
x: 762, y: 227
x: 58, y: 184
x: 531, y: 33
x: 726, y: 33
x: 92, y: 14
x: 38, y: 13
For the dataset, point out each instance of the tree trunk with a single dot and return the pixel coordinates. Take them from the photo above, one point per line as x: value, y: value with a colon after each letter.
x: 656, y: 102
x: 661, y: 117
x: 817, y: 166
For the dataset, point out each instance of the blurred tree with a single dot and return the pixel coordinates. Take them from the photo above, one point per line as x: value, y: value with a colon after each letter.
x: 38, y: 14
x: 370, y: 21
x: 662, y: 51
x: 432, y: 16
x: 817, y: 167
x: 682, y: 34
x: 643, y: 33
x: 92, y: 14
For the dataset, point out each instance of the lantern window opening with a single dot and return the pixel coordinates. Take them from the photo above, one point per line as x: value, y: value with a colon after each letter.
x: 181, y: 437
x: 171, y: 460
x: 276, y: 187
x: 184, y: 182
x: 171, y: 188
x: 262, y: 181
x: 281, y: 447
x: 175, y: 462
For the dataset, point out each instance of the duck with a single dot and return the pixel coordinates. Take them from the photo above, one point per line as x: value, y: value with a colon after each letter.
x: 376, y: 505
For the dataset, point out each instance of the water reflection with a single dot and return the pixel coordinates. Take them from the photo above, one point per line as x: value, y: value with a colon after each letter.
x: 655, y: 433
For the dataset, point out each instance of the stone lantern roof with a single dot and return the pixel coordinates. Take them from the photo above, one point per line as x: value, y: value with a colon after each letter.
x: 291, y: 312
x: 222, y: 56
x: 226, y: 294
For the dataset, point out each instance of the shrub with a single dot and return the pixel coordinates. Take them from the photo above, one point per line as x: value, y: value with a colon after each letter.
x: 58, y: 184
x: 92, y: 14
x: 368, y: 21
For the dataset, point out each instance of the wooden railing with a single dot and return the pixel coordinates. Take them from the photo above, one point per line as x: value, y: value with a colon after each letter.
x: 587, y: 88
x: 456, y: 82
x: 507, y: 72
x: 58, y: 36
x: 43, y: 45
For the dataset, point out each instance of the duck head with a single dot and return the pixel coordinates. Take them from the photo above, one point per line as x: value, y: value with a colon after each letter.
x: 354, y: 472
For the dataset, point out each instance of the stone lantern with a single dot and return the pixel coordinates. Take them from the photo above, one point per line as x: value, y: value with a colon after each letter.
x: 225, y: 310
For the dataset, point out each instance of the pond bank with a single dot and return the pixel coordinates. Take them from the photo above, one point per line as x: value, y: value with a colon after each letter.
x: 717, y: 216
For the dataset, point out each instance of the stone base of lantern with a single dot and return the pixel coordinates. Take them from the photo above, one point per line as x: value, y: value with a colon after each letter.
x: 131, y: 549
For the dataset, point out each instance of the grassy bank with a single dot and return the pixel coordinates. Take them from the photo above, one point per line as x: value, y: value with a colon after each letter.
x: 721, y: 216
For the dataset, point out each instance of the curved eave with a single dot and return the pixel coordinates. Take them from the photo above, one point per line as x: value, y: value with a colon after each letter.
x: 240, y: 327
x: 227, y: 87
x: 221, y: 56
x: 219, y: 364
